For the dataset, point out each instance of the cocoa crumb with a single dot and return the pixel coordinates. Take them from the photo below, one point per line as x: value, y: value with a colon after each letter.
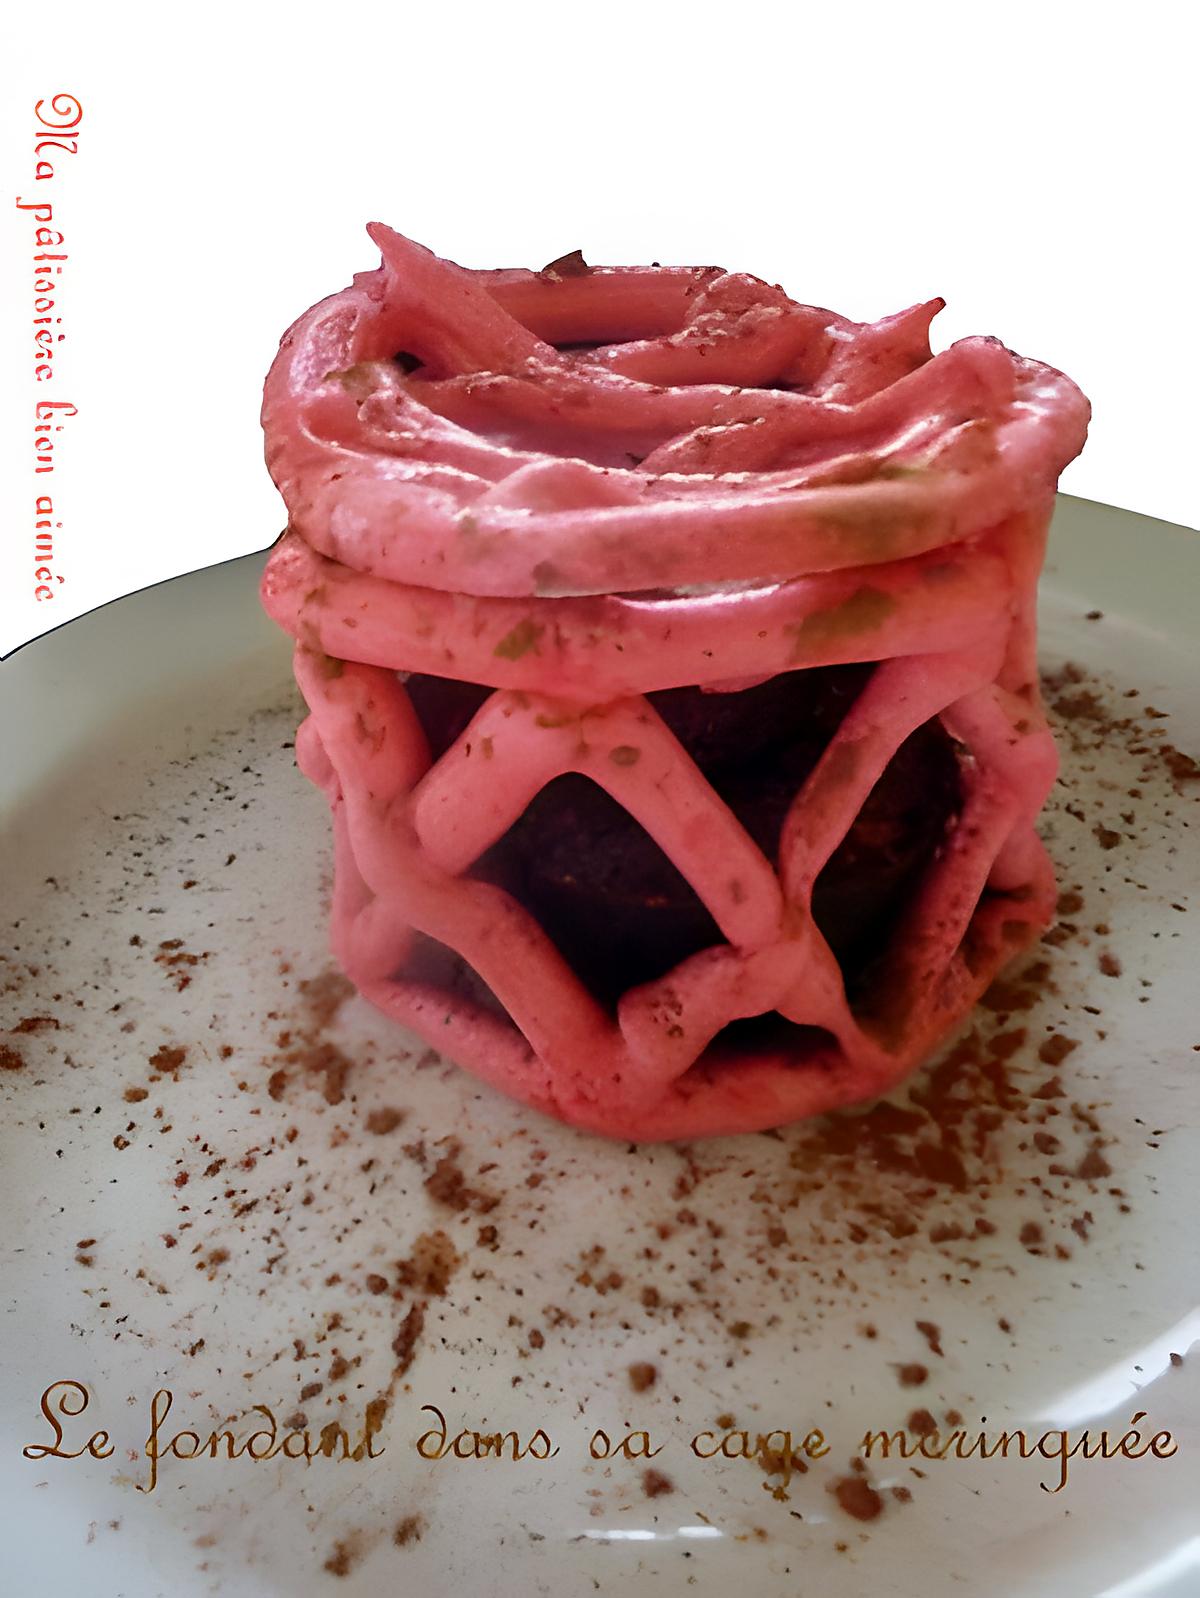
x: 1006, y: 996
x: 325, y: 1060
x: 642, y: 1376
x: 912, y: 1375
x: 176, y: 962
x: 446, y: 1184
x: 932, y: 1335
x: 342, y: 1560
x: 856, y: 1497
x: 37, y: 1023
x: 921, y: 1423
x: 1054, y: 1050
x: 381, y: 1122
x: 404, y: 1344
x: 324, y: 995
x: 1093, y: 1167
x: 945, y: 1232
x: 655, y: 1484
x: 430, y: 1265
x: 168, y: 1058
x: 409, y: 1530
x: 1182, y: 768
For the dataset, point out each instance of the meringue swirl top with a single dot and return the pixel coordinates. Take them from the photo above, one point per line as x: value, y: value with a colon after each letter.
x: 629, y: 429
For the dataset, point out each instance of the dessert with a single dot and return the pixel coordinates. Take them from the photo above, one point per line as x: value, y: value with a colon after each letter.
x: 669, y: 648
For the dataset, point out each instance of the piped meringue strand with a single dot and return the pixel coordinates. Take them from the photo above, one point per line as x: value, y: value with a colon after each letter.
x: 703, y: 484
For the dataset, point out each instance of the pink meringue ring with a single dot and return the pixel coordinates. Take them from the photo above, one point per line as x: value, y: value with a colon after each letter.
x: 579, y: 490
x: 499, y: 464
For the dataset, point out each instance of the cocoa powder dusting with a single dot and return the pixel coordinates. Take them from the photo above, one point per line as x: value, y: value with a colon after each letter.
x: 926, y: 1183
x: 303, y: 1052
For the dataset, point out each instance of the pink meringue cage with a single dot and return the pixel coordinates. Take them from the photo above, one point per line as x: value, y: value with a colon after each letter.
x: 581, y: 486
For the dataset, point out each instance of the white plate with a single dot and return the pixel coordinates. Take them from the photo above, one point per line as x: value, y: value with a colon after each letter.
x: 152, y: 795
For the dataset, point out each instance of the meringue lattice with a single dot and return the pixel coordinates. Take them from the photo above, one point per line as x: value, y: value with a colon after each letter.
x: 580, y: 487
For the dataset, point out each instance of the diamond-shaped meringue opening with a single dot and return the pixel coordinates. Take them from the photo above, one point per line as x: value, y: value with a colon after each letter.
x: 439, y: 966
x: 617, y: 909
x: 769, y: 1038
x: 900, y: 830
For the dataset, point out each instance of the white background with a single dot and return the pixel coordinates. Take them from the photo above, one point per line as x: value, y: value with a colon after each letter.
x: 1031, y: 163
